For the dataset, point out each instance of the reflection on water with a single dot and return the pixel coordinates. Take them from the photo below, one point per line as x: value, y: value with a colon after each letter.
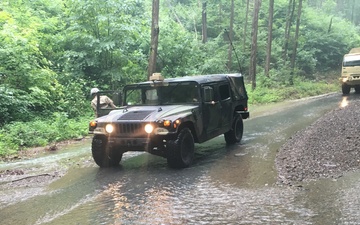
x: 201, y: 202
x: 344, y: 102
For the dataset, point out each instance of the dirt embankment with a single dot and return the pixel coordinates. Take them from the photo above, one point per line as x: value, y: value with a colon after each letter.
x: 326, y: 149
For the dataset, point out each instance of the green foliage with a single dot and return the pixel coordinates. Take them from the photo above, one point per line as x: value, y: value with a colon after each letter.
x: 102, y: 39
x: 14, y: 106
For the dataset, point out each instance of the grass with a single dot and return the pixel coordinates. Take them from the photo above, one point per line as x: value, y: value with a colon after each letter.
x: 39, y: 132
x: 300, y: 89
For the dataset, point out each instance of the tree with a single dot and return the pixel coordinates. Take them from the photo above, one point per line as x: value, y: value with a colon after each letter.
x: 154, y: 38
x: 269, y: 40
x: 289, y: 18
x: 101, y: 42
x: 245, y: 24
x: 296, y: 35
x: 252, y: 69
x: 230, y: 35
x: 204, y: 23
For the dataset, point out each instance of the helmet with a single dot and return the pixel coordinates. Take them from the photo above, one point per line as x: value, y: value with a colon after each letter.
x: 94, y: 91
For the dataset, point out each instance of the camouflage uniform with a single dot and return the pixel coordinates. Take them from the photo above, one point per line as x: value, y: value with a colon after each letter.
x: 105, y: 102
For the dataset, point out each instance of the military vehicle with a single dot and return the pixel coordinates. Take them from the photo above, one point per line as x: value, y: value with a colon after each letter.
x: 165, y: 117
x: 350, y: 72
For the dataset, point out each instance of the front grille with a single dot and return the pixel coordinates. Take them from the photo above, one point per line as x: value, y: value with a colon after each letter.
x: 131, y: 129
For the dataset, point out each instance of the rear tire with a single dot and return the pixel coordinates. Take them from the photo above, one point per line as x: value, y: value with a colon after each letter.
x: 180, y: 152
x: 345, y: 89
x: 235, y: 134
x: 103, y: 155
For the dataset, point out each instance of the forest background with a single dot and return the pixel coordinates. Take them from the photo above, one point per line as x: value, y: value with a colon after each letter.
x: 52, y: 52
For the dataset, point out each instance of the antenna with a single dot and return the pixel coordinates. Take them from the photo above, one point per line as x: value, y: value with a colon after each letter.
x: 237, y: 58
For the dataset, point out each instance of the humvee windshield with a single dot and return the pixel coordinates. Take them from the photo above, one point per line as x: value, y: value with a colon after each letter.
x: 162, y: 94
x: 351, y: 60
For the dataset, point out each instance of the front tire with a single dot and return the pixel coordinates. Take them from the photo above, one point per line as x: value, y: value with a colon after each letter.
x: 357, y: 89
x: 345, y: 89
x: 235, y: 134
x: 180, y: 152
x: 103, y: 155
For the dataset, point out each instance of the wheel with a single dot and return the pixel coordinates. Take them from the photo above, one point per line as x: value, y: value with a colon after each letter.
x: 180, y: 152
x: 345, y: 89
x: 103, y: 155
x: 357, y: 89
x: 235, y: 134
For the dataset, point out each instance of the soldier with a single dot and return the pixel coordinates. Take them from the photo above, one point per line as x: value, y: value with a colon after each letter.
x: 105, y: 101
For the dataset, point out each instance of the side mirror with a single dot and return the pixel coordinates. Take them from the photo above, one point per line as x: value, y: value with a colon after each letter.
x: 117, y: 98
x: 208, y: 94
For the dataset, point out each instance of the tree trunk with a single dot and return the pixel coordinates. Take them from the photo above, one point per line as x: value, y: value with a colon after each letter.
x: 269, y: 41
x: 204, y: 23
x: 154, y: 38
x: 289, y: 18
x: 245, y: 25
x: 296, y: 35
x: 231, y: 36
x: 352, y: 12
x: 329, y: 29
x: 252, y: 69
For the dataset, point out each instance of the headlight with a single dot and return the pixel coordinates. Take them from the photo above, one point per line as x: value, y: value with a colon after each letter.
x: 149, y: 128
x: 344, y: 79
x: 109, y: 128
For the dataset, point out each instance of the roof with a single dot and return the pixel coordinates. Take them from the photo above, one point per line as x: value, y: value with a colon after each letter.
x: 200, y: 79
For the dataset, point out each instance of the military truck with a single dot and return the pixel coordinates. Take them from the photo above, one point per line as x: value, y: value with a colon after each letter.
x: 165, y: 117
x: 350, y: 72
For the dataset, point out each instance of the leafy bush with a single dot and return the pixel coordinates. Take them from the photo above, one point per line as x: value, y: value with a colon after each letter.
x: 13, y: 105
x: 19, y: 135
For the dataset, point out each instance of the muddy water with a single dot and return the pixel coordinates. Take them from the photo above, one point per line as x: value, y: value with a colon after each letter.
x: 226, y: 185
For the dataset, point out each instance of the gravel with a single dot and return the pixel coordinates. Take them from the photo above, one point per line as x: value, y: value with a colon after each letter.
x: 328, y: 148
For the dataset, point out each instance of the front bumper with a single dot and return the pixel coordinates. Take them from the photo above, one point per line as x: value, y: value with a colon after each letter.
x: 130, y: 144
x: 350, y: 80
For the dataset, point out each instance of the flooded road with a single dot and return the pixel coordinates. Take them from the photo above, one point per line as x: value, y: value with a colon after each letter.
x: 225, y: 185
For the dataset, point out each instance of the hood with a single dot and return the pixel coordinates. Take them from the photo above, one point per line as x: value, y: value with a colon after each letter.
x: 147, y: 113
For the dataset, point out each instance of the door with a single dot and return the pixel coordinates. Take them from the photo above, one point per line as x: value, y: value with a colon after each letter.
x: 225, y: 105
x: 211, y: 109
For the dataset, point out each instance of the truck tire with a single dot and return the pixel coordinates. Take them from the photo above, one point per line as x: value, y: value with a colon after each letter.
x: 357, y: 89
x: 235, y: 134
x: 345, y: 89
x: 180, y: 152
x: 103, y: 155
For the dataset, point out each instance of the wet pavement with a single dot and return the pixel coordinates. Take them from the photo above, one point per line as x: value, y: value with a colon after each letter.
x: 225, y: 185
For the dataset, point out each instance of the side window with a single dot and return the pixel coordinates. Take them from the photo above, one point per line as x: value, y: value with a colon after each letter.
x: 151, y: 96
x: 133, y: 97
x: 224, y: 91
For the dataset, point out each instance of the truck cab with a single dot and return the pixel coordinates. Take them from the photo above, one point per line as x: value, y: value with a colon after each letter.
x: 350, y: 72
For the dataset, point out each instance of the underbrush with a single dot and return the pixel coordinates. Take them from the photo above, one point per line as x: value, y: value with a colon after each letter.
x: 300, y: 89
x: 41, y: 132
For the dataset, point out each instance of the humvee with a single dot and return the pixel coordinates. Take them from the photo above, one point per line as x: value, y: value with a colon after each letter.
x: 165, y: 117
